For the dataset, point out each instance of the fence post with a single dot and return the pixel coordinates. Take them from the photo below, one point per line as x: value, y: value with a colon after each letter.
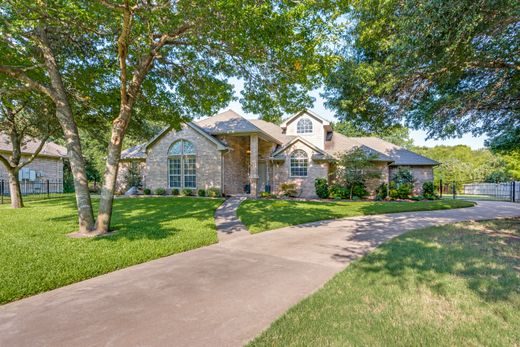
x: 513, y: 197
x: 48, y: 189
x: 440, y: 187
x: 1, y: 191
x: 453, y: 189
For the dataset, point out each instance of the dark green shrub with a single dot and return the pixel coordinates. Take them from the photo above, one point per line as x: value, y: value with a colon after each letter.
x: 160, y: 191
x: 339, y: 192
x: 187, y: 192
x: 213, y: 192
x: 147, y: 191
x: 175, y: 191
x: 265, y: 195
x: 403, y: 176
x: 417, y: 198
x: 404, y: 191
x: 359, y: 191
x: 428, y: 190
x: 382, y: 191
x: 289, y: 189
x: 201, y: 192
x: 322, y: 188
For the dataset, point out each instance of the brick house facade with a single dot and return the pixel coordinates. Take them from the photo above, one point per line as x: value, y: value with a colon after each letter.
x: 241, y: 156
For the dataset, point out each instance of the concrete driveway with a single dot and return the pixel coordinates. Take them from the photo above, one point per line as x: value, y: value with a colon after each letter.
x: 221, y: 295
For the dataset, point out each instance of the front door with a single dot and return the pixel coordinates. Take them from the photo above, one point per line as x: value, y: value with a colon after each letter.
x: 262, y: 175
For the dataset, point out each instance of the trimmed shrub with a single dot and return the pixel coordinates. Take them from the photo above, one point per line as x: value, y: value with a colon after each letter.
x: 405, y: 190
x: 417, y: 198
x: 322, y: 188
x: 289, y: 189
x: 160, y: 191
x: 428, y: 191
x: 175, y: 191
x: 187, y: 192
x: 266, y: 195
x: 147, y: 191
x: 213, y: 192
x: 382, y: 191
x: 201, y: 192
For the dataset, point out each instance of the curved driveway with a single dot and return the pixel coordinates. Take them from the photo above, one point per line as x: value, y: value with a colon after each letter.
x: 221, y: 295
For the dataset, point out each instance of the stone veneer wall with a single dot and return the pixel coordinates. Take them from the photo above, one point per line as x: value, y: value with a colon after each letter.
x: 281, y: 172
x: 50, y: 168
x: 122, y: 179
x: 420, y: 173
x: 236, y: 164
x: 208, y: 160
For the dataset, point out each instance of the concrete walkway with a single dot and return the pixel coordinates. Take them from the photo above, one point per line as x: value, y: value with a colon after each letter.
x: 227, y: 222
x: 221, y: 295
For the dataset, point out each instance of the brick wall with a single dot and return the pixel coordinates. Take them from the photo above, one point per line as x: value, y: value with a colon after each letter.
x: 50, y: 168
x: 208, y: 160
x: 420, y: 173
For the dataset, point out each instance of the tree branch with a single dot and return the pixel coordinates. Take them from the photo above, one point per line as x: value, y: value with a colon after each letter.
x: 20, y: 75
x: 35, y: 154
x: 5, y: 161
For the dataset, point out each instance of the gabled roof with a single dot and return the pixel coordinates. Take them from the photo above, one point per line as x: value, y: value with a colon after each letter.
x: 135, y: 152
x: 220, y: 145
x: 399, y: 155
x: 341, y: 143
x: 272, y: 129
x: 305, y: 142
x: 30, y: 145
x: 308, y: 112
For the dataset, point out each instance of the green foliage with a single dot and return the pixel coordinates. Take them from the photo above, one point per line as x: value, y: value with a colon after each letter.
x: 428, y: 190
x: 266, y: 195
x: 214, y: 192
x: 448, y: 67
x: 289, y: 189
x: 201, y: 192
x: 497, y: 177
x: 187, y: 192
x: 382, y: 191
x: 403, y: 176
x: 322, y: 188
x: 175, y: 191
x: 353, y: 169
x: 147, y: 191
x: 400, y: 191
x: 160, y: 191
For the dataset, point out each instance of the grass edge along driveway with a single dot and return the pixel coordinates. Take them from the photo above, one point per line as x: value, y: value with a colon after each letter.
x: 263, y: 214
x: 37, y: 256
x: 451, y: 285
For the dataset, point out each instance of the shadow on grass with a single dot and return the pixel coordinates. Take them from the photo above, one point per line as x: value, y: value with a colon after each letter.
x: 486, y: 258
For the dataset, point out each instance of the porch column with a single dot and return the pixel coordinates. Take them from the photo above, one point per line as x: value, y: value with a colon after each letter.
x: 253, y: 175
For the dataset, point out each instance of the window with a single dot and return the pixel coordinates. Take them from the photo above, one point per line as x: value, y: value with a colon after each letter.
x: 304, y: 126
x: 182, y: 170
x: 299, y: 163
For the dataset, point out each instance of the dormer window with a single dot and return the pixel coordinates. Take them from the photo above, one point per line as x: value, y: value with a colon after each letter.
x: 304, y: 126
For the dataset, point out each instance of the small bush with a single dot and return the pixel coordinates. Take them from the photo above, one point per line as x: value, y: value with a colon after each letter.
x: 404, y: 191
x: 266, y: 195
x: 322, y: 188
x: 147, y: 191
x: 428, y: 190
x: 187, y: 192
x: 289, y: 189
x: 338, y: 192
x: 382, y: 191
x: 175, y: 191
x: 359, y: 191
x: 417, y: 198
x: 201, y: 192
x: 160, y: 191
x: 213, y: 192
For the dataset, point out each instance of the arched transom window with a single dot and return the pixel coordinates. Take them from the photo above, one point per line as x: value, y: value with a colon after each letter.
x: 182, y: 172
x: 299, y: 163
x: 304, y: 126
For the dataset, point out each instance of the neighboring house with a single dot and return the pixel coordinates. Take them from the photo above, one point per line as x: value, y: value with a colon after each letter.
x: 241, y: 156
x: 47, y: 166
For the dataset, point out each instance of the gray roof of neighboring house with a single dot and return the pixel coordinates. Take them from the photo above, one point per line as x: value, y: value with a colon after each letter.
x: 30, y: 145
x: 227, y: 122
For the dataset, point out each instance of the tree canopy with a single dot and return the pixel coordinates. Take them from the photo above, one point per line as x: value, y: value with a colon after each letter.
x: 448, y: 67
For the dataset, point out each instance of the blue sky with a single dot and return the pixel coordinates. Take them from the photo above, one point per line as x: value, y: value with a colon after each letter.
x: 418, y: 136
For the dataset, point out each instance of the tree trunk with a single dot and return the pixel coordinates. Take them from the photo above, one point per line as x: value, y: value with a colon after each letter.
x: 14, y: 189
x: 110, y: 175
x: 71, y: 134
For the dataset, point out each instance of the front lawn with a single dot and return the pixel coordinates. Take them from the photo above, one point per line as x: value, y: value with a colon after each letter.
x: 455, y: 285
x: 36, y: 255
x: 261, y: 215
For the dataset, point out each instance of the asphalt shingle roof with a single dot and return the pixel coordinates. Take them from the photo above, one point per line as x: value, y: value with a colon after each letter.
x: 30, y: 145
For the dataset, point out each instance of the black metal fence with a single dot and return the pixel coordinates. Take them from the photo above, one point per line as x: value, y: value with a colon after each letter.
x: 501, y: 191
x: 44, y: 189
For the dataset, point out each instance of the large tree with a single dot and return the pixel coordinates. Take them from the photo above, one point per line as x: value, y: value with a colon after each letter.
x: 182, y: 54
x: 448, y: 67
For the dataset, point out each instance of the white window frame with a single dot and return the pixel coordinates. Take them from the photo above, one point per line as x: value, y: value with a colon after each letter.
x: 187, y: 166
x: 304, y: 126
x: 302, y: 161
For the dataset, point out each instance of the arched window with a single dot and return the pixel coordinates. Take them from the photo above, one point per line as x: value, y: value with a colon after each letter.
x: 304, y: 126
x: 182, y: 172
x: 299, y: 163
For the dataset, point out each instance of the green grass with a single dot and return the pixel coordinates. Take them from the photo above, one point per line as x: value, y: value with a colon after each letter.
x: 456, y: 285
x: 36, y: 255
x: 261, y: 215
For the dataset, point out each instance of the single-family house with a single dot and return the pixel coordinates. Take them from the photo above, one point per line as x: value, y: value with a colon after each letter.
x: 249, y: 156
